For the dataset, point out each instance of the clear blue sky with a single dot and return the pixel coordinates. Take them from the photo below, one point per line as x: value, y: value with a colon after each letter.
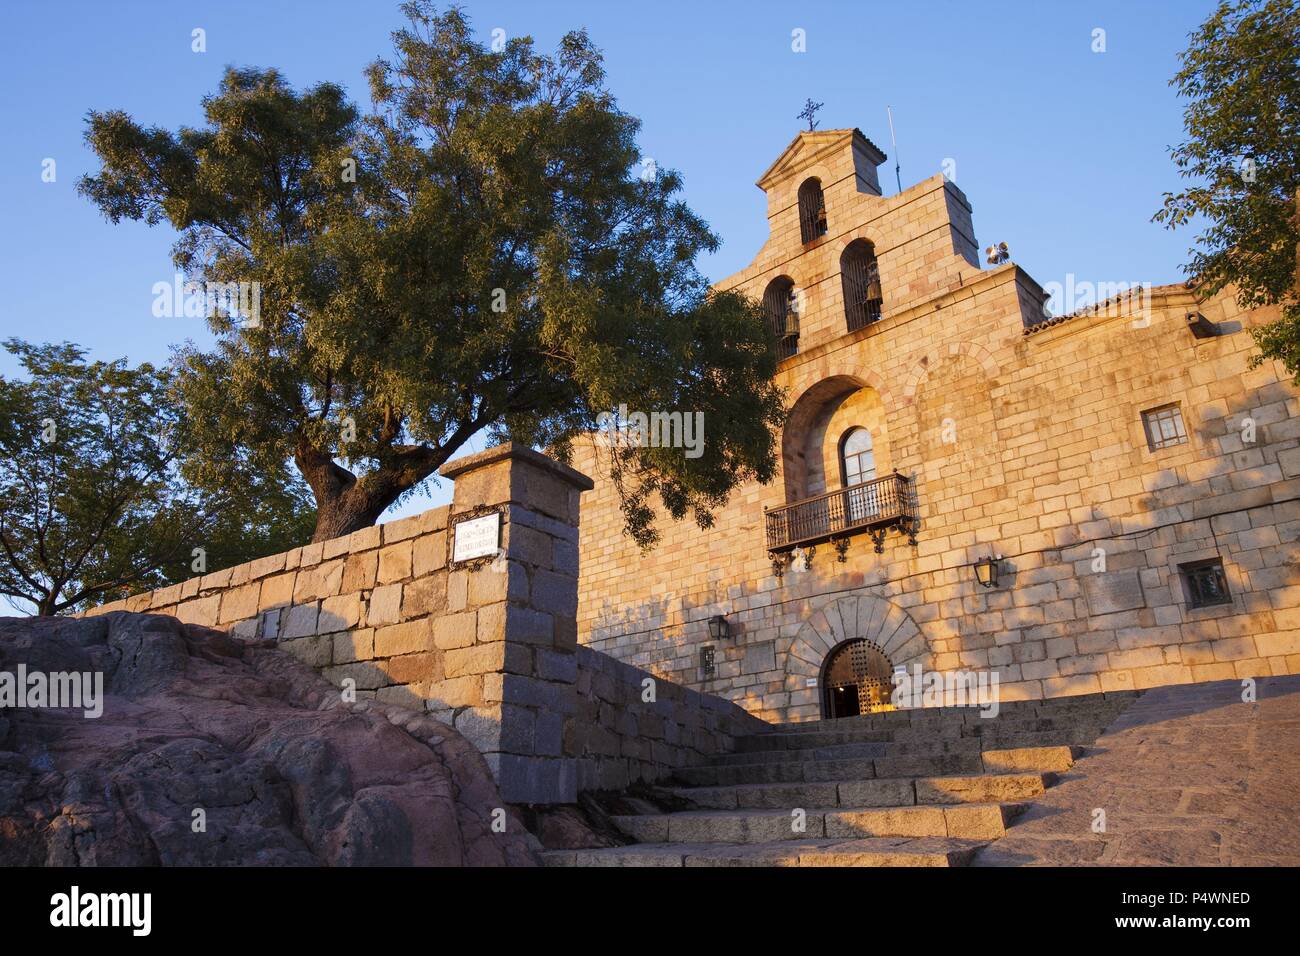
x: 1061, y: 151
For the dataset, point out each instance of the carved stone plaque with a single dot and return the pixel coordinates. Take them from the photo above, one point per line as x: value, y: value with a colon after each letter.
x: 477, y: 537
x: 1113, y: 591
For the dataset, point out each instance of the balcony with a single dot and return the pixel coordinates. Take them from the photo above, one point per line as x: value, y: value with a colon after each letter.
x: 873, y: 506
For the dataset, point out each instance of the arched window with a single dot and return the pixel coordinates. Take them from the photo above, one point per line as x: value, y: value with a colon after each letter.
x: 860, y: 276
x: 812, y: 210
x: 857, y: 460
x: 781, y: 303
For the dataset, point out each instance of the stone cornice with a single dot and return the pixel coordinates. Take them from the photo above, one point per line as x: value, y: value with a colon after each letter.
x: 517, y: 452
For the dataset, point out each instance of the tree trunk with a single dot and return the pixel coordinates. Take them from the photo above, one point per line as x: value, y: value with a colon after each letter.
x: 347, y: 513
x: 344, y: 504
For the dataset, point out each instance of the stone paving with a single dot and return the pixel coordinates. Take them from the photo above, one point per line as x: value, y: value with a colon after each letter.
x: 1189, y: 775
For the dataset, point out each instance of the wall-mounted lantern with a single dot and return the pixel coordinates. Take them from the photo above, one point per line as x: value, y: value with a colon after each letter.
x: 1200, y: 326
x: 719, y: 628
x: 986, y: 571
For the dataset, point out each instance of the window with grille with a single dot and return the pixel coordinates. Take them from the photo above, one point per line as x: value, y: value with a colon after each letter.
x: 708, y: 670
x: 812, y: 210
x: 1205, y: 582
x: 860, y: 279
x: 1164, y: 427
x: 781, y: 303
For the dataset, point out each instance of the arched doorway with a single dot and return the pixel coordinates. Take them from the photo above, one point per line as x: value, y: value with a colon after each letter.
x: 857, y: 678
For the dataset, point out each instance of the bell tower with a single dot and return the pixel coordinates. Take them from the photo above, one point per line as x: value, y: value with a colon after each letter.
x: 834, y: 156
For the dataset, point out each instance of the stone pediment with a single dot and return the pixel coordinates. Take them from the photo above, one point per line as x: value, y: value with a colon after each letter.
x: 809, y: 146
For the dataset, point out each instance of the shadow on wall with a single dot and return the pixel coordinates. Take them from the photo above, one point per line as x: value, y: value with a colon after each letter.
x: 629, y: 725
x: 770, y: 662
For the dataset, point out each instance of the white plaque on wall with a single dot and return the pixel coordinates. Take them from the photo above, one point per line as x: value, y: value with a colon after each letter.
x: 477, y: 537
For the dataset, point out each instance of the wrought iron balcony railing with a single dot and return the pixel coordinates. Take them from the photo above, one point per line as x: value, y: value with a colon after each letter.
x: 872, y: 506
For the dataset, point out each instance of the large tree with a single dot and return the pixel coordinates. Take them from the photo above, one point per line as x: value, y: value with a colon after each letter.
x: 485, y: 249
x: 1241, y: 75
x: 91, y: 504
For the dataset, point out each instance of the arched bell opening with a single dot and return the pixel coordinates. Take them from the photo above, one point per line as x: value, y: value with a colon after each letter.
x: 857, y: 678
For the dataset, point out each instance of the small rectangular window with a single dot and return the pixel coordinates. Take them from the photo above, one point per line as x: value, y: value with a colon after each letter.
x: 707, y: 669
x: 1164, y: 427
x: 1205, y: 582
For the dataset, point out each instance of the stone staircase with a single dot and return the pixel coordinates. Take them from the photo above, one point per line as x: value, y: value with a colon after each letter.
x: 924, y: 787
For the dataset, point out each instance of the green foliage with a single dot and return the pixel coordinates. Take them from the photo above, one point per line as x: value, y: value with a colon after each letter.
x: 1280, y: 340
x: 1241, y: 73
x: 497, y: 262
x: 91, y: 505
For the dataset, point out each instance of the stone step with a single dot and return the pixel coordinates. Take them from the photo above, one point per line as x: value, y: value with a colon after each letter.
x: 793, y: 741
x: 970, y: 821
x: 858, y: 751
x: 931, y: 747
x: 822, y: 770
x: 885, y: 792
x: 1037, y: 728
x: 1058, y: 758
x: 1097, y: 708
x: 869, y: 851
x: 795, y: 771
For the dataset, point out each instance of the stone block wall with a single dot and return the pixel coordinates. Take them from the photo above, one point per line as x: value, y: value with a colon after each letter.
x: 363, y: 607
x: 487, y: 645
x: 618, y: 736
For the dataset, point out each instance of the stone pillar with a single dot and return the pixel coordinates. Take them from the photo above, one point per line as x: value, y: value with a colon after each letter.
x: 513, y: 618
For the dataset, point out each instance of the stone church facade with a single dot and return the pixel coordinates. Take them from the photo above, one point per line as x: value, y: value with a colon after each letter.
x: 1104, y: 500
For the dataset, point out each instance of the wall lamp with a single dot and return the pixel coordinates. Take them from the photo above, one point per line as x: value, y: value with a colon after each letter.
x: 719, y: 628
x: 986, y: 571
x: 1201, y: 327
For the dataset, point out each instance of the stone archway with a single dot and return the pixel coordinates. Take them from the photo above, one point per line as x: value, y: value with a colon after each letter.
x: 817, y: 420
x: 842, y: 619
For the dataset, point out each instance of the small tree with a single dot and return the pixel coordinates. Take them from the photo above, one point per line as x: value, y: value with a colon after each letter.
x: 91, y: 505
x: 1241, y: 73
x: 486, y: 249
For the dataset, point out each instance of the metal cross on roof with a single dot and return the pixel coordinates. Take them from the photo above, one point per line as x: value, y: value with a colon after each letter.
x: 809, y: 111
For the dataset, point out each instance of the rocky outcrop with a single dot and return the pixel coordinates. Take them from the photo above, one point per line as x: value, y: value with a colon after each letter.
x: 214, y: 751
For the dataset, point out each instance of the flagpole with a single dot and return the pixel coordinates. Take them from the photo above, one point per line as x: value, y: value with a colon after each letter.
x: 898, y: 176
